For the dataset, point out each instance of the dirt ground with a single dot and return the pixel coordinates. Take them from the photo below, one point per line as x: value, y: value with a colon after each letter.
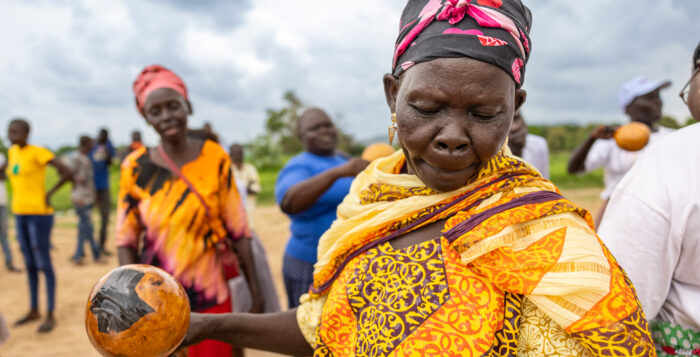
x: 74, y: 284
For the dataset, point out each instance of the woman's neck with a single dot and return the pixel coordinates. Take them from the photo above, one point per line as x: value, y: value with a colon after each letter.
x: 176, y: 147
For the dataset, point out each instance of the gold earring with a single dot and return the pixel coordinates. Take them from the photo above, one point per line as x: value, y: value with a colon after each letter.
x: 392, y: 128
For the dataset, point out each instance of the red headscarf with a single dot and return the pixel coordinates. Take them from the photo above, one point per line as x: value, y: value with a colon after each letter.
x: 155, y: 77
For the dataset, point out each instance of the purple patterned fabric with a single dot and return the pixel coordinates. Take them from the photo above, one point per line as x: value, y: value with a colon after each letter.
x: 493, y: 31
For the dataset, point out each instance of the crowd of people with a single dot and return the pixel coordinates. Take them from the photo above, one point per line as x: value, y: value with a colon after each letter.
x: 456, y: 242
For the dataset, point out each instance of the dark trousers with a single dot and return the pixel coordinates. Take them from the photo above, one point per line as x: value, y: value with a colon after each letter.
x: 34, y: 236
x: 85, y: 232
x: 298, y: 276
x: 103, y: 205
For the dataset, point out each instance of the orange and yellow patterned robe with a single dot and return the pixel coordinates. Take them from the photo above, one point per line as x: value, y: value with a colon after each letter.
x: 518, y: 270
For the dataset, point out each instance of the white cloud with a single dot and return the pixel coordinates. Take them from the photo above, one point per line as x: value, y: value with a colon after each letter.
x: 69, y: 66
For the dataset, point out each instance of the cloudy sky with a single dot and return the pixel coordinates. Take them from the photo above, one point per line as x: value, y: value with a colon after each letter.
x: 68, y: 65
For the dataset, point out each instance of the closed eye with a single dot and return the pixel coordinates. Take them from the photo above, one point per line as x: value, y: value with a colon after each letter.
x: 485, y: 116
x: 425, y: 111
x: 174, y: 105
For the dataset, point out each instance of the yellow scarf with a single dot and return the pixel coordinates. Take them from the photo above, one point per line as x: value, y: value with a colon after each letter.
x: 382, y: 200
x: 512, y: 227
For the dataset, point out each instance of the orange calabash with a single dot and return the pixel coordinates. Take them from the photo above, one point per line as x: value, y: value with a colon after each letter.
x: 376, y: 151
x: 633, y: 136
x: 137, y: 310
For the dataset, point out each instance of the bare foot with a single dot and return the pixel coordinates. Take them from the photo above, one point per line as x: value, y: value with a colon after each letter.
x: 31, y: 316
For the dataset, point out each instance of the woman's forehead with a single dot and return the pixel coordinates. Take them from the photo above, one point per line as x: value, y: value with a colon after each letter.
x: 162, y: 94
x: 448, y: 77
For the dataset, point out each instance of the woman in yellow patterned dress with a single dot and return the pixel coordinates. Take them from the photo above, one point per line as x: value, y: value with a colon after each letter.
x: 453, y: 246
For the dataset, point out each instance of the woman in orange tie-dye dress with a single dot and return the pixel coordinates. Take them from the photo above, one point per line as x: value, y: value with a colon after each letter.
x: 179, y: 203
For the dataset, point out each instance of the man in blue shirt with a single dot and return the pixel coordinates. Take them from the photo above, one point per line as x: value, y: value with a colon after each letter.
x: 101, y: 156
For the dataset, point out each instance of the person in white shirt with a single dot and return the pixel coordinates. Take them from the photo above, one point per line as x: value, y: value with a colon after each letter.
x: 9, y: 264
x: 247, y: 176
x: 638, y: 98
x: 532, y: 148
x: 652, y: 227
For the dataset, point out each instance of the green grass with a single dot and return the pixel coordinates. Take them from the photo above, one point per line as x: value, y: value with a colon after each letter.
x: 267, y: 181
x: 558, y: 162
x: 558, y: 174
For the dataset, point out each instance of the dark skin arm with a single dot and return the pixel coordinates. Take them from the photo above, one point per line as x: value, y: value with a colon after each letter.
x: 303, y: 195
x: 245, y: 255
x: 127, y: 255
x: 578, y: 158
x: 65, y: 176
x: 278, y: 332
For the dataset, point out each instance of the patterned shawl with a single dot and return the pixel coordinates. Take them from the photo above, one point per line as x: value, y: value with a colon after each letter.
x: 513, y: 228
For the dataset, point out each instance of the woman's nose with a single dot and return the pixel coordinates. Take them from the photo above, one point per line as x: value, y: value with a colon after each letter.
x: 452, y: 139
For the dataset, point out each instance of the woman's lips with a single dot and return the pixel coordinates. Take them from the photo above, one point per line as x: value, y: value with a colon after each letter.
x: 171, y: 131
x: 448, y: 172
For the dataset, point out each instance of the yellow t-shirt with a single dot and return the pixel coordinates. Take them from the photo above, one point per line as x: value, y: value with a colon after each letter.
x: 26, y: 170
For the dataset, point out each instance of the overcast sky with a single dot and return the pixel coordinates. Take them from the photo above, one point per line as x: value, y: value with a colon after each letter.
x: 68, y: 65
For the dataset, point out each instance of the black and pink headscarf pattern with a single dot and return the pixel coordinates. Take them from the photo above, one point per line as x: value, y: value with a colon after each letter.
x: 492, y: 31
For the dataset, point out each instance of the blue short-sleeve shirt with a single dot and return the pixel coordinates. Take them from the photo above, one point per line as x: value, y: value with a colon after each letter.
x: 99, y: 155
x: 308, y: 226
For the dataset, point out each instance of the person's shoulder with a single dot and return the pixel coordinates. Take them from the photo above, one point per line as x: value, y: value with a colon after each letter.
x: 604, y: 145
x: 211, y: 147
x: 677, y: 145
x: 39, y: 150
x: 301, y: 159
x: 131, y: 160
x: 536, y: 140
x: 249, y: 166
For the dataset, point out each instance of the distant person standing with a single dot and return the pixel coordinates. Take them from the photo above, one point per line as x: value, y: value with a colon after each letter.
x: 83, y: 198
x: 309, y: 189
x: 639, y: 99
x: 532, y: 148
x: 101, y: 156
x: 136, y: 142
x: 3, y: 219
x: 247, y: 176
x: 26, y: 170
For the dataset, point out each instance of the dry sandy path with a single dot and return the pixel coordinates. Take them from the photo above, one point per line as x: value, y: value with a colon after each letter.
x: 74, y: 284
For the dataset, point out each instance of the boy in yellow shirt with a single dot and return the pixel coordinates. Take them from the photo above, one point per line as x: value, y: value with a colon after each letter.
x: 26, y: 170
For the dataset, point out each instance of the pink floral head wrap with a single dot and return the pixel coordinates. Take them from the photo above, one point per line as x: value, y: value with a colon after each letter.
x: 493, y: 31
x: 155, y: 77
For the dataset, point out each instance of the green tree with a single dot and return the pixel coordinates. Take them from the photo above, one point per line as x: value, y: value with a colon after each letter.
x: 690, y: 121
x: 270, y: 149
x: 280, y: 141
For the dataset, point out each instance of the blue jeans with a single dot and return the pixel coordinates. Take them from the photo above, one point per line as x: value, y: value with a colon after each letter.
x: 3, y: 235
x: 34, y: 235
x: 85, y: 232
